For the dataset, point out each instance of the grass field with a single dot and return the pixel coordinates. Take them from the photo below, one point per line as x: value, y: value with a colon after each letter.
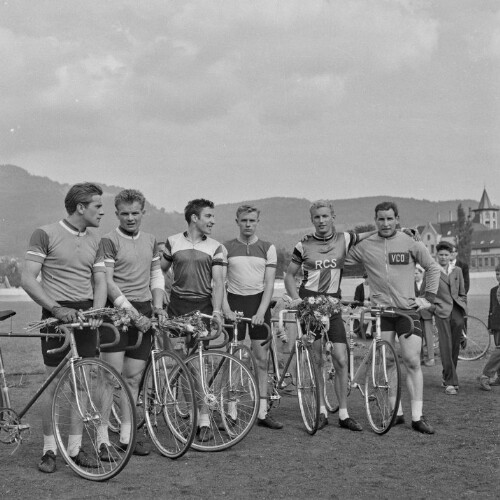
x: 462, y: 460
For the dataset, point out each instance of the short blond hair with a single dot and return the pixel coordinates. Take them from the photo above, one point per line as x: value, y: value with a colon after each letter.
x: 321, y: 204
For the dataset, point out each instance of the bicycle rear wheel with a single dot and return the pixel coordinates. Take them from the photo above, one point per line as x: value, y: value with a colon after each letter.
x: 478, y: 339
x: 307, y: 388
x: 228, y: 399
x: 81, y: 406
x: 169, y: 404
x: 382, y: 387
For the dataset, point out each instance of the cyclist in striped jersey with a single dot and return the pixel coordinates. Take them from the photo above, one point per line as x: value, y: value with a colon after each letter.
x: 321, y: 257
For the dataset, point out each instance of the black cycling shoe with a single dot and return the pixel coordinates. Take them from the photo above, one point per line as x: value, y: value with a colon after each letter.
x: 350, y: 423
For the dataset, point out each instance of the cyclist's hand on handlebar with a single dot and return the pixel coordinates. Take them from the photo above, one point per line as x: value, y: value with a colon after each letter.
x: 294, y: 303
x: 422, y: 303
x: 160, y: 314
x: 216, y: 321
x: 141, y: 322
x: 95, y: 322
x: 67, y: 314
x: 230, y: 315
x: 258, y: 319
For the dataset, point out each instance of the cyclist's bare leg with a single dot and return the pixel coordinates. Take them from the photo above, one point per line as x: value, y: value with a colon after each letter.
x: 410, y: 351
x: 116, y: 360
x: 261, y: 354
x: 339, y: 358
x: 49, y: 442
x: 132, y: 372
x: 391, y: 337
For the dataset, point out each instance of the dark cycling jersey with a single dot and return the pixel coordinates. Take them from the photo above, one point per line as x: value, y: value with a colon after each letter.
x: 322, y: 261
x: 192, y: 265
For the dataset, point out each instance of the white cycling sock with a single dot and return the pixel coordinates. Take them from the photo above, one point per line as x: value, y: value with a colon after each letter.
x: 262, y: 408
x: 416, y: 410
x: 343, y: 413
x: 125, y: 431
x: 323, y: 410
x: 102, y: 435
x: 203, y: 420
x: 49, y: 444
x: 74, y: 444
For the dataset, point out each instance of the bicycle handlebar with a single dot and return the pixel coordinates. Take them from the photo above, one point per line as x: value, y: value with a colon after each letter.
x: 249, y: 321
x: 66, y: 330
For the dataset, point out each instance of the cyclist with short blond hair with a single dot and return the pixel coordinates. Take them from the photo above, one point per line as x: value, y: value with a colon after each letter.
x: 251, y: 269
x: 134, y: 282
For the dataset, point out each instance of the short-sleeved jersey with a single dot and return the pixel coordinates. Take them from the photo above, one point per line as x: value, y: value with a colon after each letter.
x: 69, y: 258
x: 322, y: 261
x: 132, y: 259
x: 192, y: 265
x: 247, y: 264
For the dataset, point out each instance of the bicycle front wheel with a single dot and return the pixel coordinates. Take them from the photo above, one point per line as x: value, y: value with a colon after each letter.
x: 307, y: 388
x: 81, y: 407
x: 382, y: 387
x: 169, y: 404
x: 478, y: 339
x: 227, y: 396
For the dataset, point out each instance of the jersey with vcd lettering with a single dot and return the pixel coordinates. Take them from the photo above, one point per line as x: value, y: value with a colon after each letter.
x: 390, y: 264
x: 322, y: 261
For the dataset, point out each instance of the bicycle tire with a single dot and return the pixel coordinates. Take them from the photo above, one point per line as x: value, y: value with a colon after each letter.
x: 478, y: 339
x: 307, y: 388
x: 383, y: 377
x: 95, y: 382
x: 230, y: 396
x: 328, y: 373
x: 169, y: 408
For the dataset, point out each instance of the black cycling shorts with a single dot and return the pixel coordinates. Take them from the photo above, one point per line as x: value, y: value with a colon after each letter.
x: 129, y: 337
x: 401, y: 325
x: 248, y: 305
x: 86, y: 339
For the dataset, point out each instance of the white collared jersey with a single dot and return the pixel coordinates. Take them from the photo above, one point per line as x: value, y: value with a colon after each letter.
x: 322, y: 261
x: 192, y: 265
x: 69, y: 258
x: 132, y: 258
x: 247, y: 264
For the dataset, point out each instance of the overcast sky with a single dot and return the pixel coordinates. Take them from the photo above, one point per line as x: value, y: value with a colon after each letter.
x: 247, y: 99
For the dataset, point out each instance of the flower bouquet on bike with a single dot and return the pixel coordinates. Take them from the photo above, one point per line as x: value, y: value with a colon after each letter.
x: 315, y: 312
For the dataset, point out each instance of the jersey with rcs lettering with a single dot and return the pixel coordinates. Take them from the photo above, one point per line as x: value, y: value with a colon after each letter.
x: 322, y: 261
x: 390, y: 265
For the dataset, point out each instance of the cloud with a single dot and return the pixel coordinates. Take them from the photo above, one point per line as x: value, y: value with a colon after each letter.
x: 104, y: 63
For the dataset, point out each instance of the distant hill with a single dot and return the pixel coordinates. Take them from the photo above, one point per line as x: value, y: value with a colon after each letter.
x: 28, y: 201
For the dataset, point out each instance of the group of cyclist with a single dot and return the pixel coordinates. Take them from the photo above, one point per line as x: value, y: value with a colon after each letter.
x: 125, y: 269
